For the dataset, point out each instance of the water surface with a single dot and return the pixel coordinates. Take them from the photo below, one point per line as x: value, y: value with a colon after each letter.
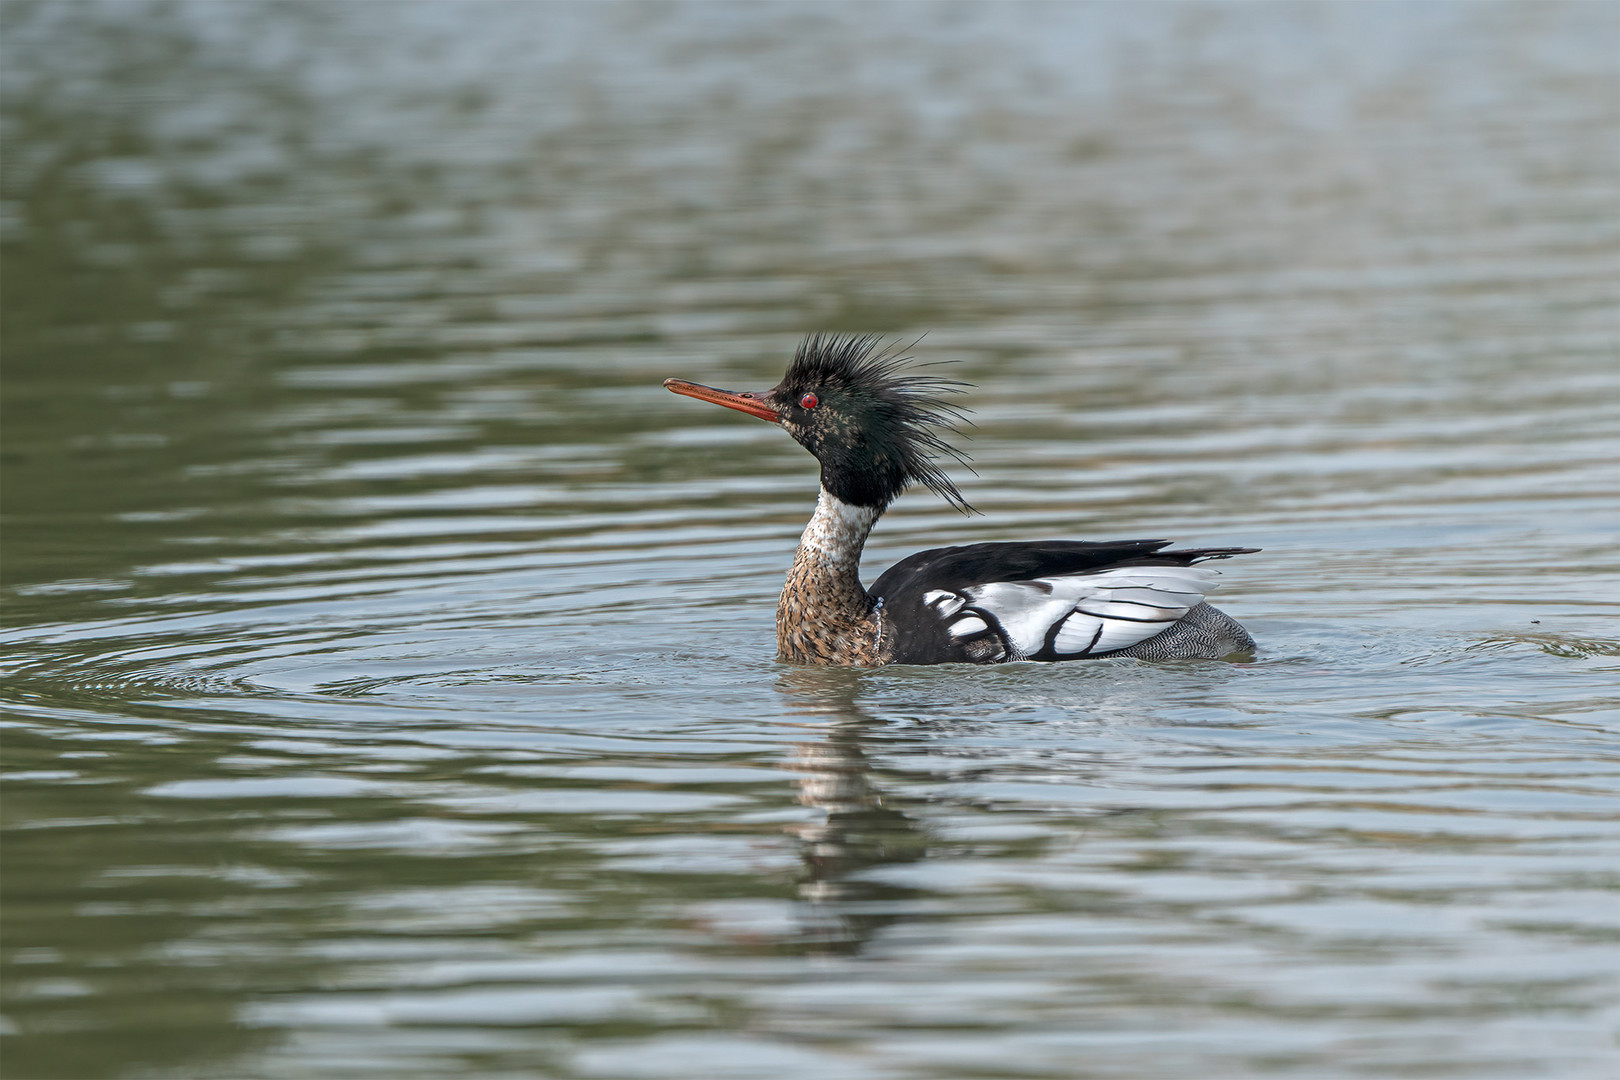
x: 388, y: 657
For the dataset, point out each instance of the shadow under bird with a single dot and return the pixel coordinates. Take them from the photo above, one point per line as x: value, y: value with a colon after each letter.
x: 876, y: 430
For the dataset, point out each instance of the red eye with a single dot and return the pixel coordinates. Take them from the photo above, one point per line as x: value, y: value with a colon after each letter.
x: 809, y: 401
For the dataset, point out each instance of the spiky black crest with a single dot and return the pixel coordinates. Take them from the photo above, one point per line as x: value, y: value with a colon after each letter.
x: 874, y: 429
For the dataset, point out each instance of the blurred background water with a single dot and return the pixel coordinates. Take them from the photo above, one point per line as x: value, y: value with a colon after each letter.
x: 388, y: 657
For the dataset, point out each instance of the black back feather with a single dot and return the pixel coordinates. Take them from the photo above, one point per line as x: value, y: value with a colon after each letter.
x: 957, y: 568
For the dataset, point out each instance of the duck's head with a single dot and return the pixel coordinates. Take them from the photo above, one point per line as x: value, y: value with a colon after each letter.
x: 874, y: 429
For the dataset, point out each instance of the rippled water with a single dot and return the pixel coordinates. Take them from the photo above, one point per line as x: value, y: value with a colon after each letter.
x: 388, y: 656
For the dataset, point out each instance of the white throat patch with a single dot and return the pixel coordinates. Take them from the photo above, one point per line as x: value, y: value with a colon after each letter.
x: 838, y: 530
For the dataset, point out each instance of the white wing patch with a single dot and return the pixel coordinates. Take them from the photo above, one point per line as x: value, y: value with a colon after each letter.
x: 968, y: 625
x: 1078, y: 614
x: 945, y: 602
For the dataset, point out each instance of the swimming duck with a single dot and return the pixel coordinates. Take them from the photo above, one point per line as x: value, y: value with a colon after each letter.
x: 876, y: 429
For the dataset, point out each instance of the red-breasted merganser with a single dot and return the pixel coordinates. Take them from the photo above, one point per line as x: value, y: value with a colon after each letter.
x: 875, y: 431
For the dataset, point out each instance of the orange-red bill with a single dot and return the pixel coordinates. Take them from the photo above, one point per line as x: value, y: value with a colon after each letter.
x: 752, y: 403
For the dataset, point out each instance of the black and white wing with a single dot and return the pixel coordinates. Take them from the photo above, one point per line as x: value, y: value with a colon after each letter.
x: 1092, y: 599
x: 1067, y: 618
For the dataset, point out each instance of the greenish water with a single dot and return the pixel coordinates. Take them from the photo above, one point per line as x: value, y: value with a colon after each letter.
x: 388, y: 656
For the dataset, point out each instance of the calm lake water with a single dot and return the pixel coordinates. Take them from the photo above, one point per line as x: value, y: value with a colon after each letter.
x: 389, y: 657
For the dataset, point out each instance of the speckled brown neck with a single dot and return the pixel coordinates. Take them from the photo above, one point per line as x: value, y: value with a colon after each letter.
x: 824, y: 616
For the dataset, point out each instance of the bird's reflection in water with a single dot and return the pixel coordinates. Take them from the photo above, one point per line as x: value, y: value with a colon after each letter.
x: 843, y: 906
